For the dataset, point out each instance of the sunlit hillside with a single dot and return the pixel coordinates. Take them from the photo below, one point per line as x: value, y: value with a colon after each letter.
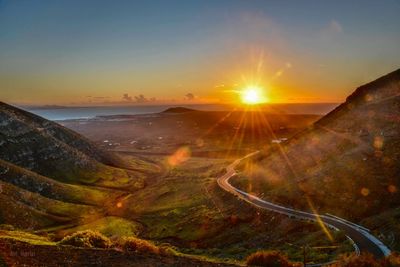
x: 347, y: 163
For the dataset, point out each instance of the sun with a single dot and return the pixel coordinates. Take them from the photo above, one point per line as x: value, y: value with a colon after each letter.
x: 253, y: 95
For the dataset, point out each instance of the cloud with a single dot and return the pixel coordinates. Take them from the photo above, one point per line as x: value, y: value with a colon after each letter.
x: 142, y: 99
x: 126, y: 97
x: 189, y: 96
x: 138, y: 98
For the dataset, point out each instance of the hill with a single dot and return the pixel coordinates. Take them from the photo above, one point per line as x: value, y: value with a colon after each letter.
x: 52, y: 150
x: 52, y: 177
x: 347, y: 163
x: 54, y: 182
x: 178, y: 110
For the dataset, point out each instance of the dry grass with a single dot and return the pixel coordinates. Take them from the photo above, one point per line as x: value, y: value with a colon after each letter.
x: 133, y: 244
x: 367, y: 260
x: 87, y: 239
x: 269, y: 258
x: 364, y: 260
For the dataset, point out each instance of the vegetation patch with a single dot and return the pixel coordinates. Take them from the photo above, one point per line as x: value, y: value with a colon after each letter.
x: 87, y: 239
x: 270, y: 259
x: 133, y: 244
x: 109, y: 226
x: 187, y: 209
x: 2, y: 262
x: 25, y: 237
x: 367, y: 260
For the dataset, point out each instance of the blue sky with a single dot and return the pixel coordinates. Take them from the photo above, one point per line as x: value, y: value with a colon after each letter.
x: 74, y: 52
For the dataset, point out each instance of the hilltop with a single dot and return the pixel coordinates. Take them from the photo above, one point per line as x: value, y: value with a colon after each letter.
x: 178, y: 110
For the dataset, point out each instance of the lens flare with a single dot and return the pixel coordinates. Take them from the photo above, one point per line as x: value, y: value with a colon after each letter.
x: 180, y: 156
x: 253, y: 95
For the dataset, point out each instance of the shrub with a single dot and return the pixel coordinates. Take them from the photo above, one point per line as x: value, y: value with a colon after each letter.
x: 133, y: 244
x: 352, y: 260
x: 87, y: 239
x: 167, y: 249
x: 367, y: 260
x: 268, y: 258
x: 393, y: 260
x: 7, y: 227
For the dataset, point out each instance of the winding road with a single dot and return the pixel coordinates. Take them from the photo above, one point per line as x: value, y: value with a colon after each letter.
x: 363, y: 240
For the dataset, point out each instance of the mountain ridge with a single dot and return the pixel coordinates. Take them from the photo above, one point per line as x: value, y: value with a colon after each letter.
x: 351, y: 155
x: 366, y: 93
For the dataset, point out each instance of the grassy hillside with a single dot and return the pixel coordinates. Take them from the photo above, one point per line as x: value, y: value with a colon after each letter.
x: 49, y: 149
x: 347, y: 163
x: 187, y: 209
x: 52, y: 178
x: 17, y: 122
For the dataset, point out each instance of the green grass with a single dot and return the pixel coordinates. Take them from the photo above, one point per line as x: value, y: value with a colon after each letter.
x: 188, y: 209
x: 109, y: 226
x: 25, y: 237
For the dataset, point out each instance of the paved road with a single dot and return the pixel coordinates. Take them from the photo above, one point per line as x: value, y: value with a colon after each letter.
x: 363, y: 240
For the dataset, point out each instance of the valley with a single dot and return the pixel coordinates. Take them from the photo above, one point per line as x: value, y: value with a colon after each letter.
x: 154, y: 178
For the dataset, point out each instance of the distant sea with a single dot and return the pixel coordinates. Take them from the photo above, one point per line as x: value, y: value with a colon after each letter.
x: 69, y: 113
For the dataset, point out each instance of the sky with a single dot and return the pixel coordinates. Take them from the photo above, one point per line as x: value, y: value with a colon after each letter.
x: 133, y: 52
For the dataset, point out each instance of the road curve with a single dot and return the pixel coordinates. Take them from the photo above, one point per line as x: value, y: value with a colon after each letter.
x: 363, y: 240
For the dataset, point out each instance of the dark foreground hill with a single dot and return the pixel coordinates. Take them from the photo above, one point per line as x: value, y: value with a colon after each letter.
x: 51, y: 176
x: 347, y: 163
x: 35, y: 251
x: 50, y: 149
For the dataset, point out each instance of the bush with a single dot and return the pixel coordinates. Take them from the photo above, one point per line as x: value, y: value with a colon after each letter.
x: 393, y: 260
x: 133, y: 244
x: 167, y: 249
x: 352, y: 260
x: 268, y: 258
x: 7, y: 227
x: 87, y: 239
x: 367, y: 260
